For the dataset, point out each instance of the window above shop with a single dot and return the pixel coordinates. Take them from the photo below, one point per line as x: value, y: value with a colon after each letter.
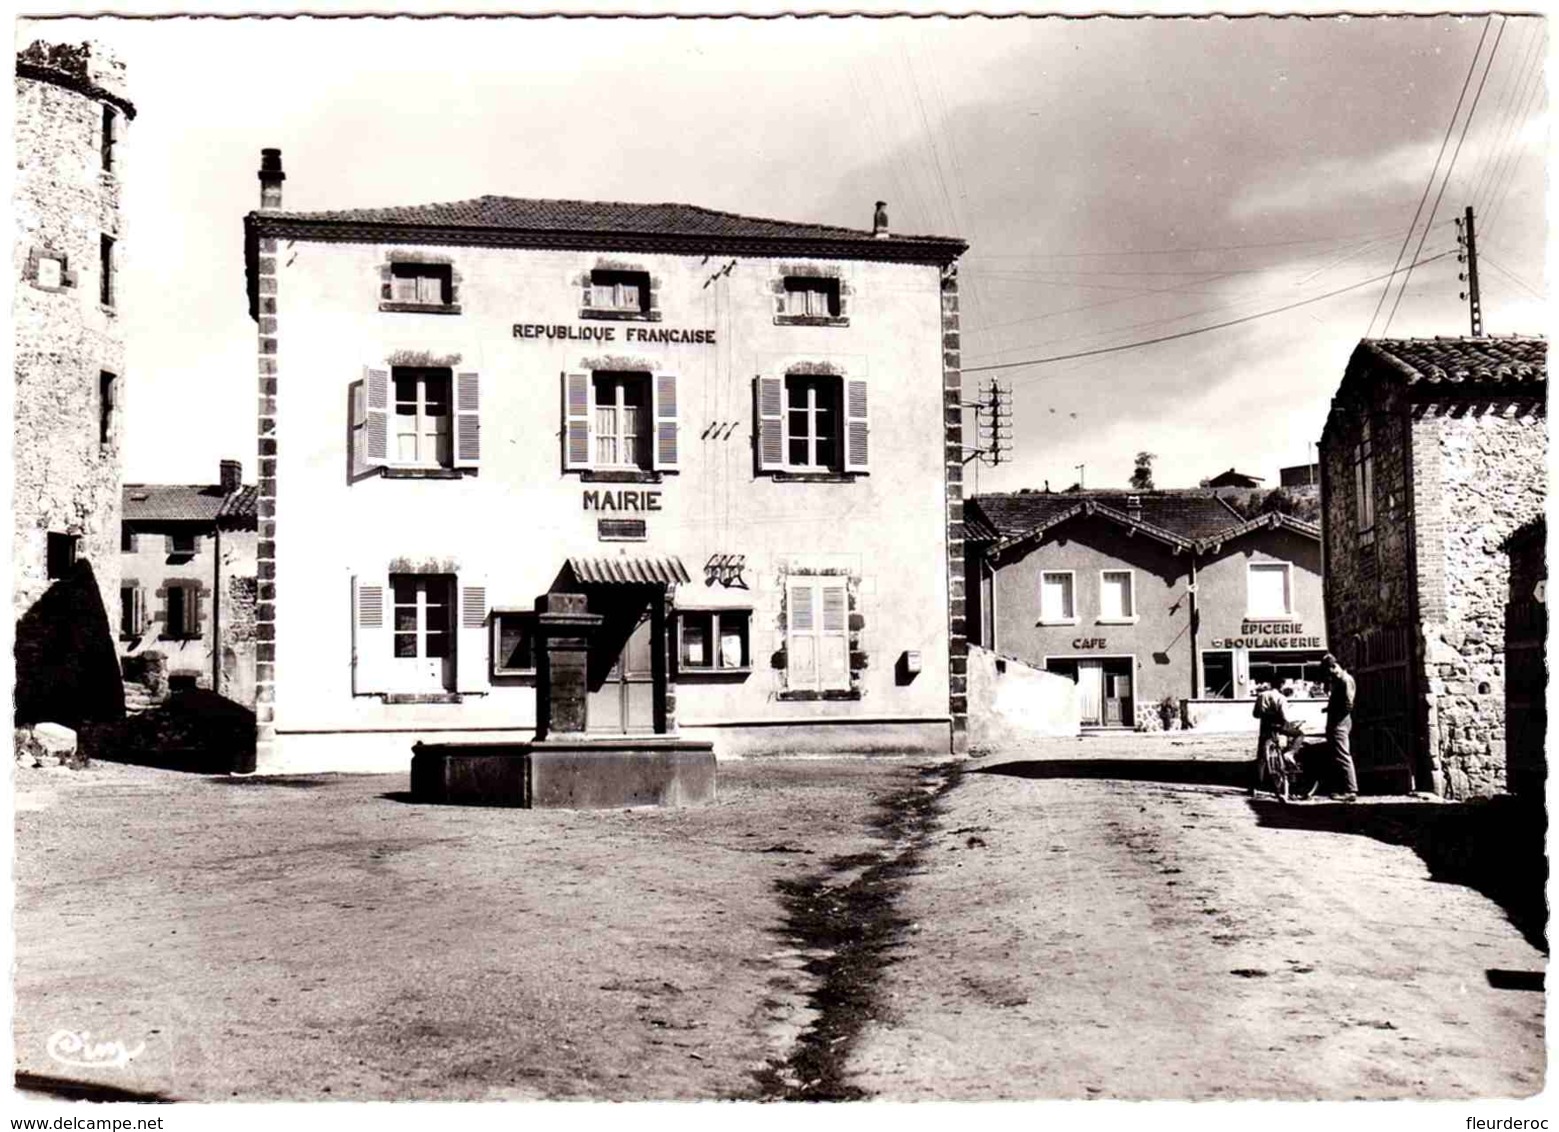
x: 713, y: 641
x: 1057, y: 598
x: 1117, y: 597
x: 1269, y: 589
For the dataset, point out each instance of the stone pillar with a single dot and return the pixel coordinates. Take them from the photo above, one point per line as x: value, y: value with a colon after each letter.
x: 564, y: 627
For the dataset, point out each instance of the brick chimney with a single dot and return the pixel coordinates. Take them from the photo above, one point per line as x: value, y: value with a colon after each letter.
x: 232, y: 476
x: 880, y: 220
x: 271, y: 178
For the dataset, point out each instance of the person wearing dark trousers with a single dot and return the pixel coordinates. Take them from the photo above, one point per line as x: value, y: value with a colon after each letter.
x: 1339, y: 725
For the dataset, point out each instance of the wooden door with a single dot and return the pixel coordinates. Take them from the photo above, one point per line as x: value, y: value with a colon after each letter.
x: 621, y: 697
x: 1090, y: 691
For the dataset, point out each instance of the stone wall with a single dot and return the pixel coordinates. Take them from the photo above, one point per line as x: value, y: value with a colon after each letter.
x: 1490, y: 462
x: 66, y: 477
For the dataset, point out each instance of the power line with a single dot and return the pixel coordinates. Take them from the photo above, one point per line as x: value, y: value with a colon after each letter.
x: 1185, y: 251
x: 1433, y: 172
x: 1471, y: 110
x: 1510, y: 159
x: 1204, y: 329
x: 1511, y: 275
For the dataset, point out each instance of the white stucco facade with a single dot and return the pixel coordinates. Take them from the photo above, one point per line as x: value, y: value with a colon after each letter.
x: 503, y: 525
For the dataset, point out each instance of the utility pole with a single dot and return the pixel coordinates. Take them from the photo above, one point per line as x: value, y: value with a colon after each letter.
x: 992, y: 425
x: 1079, y: 468
x: 1468, y: 239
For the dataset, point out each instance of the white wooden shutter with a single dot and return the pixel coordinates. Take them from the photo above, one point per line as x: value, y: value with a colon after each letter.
x: 377, y: 429
x: 576, y: 420
x: 468, y: 422
x: 471, y: 642
x: 357, y: 413
x: 801, y: 630
x: 855, y: 426
x: 665, y: 397
x: 769, y: 393
x: 833, y: 653
x: 371, y: 642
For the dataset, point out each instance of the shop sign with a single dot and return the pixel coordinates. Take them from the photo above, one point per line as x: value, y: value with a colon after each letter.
x: 625, y: 500
x: 668, y: 335
x: 1088, y: 643
x: 1275, y: 634
x: 726, y: 569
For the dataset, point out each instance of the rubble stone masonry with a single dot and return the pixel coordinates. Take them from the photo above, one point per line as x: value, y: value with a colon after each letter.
x: 1489, y: 460
x: 67, y: 476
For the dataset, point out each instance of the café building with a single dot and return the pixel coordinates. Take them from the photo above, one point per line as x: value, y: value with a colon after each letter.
x: 730, y: 444
x: 1147, y: 598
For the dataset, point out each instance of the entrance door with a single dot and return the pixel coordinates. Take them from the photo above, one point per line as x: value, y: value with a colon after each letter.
x: 621, y: 696
x: 1090, y: 692
x: 1119, y: 710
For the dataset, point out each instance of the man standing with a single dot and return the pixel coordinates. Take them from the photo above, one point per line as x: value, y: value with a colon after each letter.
x: 1339, y: 724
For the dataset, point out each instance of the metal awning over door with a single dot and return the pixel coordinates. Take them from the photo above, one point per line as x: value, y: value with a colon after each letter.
x: 666, y: 570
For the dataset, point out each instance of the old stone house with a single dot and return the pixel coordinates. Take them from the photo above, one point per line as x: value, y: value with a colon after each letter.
x: 189, y: 583
x: 1432, y: 456
x: 729, y: 444
x: 1148, y: 599
x: 70, y: 117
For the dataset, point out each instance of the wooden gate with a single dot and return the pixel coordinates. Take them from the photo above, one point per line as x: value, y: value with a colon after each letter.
x: 1384, y: 728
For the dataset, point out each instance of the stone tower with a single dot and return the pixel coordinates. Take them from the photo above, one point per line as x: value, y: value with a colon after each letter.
x: 71, y: 119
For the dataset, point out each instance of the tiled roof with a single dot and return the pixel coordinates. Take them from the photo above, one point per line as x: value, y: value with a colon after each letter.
x: 605, y: 218
x: 1270, y: 521
x: 1506, y: 362
x: 179, y: 502
x: 1188, y: 514
x: 240, y: 510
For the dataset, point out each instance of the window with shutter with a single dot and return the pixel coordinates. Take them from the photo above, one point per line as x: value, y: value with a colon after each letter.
x: 817, y: 634
x: 665, y: 404
x: 811, y: 424
x: 468, y: 422
x: 576, y: 421
x: 617, y: 421
x: 370, y: 638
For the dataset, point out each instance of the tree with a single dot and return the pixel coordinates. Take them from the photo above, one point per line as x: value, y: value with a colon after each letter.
x: 1301, y: 506
x: 1142, y: 474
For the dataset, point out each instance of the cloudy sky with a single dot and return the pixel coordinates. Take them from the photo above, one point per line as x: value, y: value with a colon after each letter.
x: 1117, y: 181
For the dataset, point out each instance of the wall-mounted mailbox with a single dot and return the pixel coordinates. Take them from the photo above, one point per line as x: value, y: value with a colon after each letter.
x: 908, y: 666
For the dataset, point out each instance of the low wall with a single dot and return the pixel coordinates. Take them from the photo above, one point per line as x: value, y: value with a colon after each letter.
x: 1010, y: 700
x: 1229, y: 716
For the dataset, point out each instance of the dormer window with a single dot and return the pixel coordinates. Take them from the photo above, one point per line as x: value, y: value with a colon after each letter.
x: 620, y: 292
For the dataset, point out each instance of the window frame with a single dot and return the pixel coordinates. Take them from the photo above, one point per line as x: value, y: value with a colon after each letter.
x: 106, y: 290
x: 132, y: 619
x: 1364, y: 483
x: 1131, y: 596
x: 62, y: 550
x: 444, y: 438
x: 717, y: 617
x: 617, y: 278
x: 108, y: 138
x: 107, y: 403
x: 496, y: 654
x: 419, y: 270
x: 189, y: 609
x: 176, y: 537
x: 814, y: 383
x: 1233, y: 675
x: 1044, y: 613
x: 643, y: 438
x: 1288, y: 590
x: 818, y: 584
x: 421, y: 632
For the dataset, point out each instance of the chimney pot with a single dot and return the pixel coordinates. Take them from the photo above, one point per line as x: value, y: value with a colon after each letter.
x: 232, y: 476
x: 271, y: 177
x: 880, y: 219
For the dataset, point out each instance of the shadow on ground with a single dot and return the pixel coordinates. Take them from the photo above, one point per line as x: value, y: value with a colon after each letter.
x: 195, y: 731
x: 1182, y: 772
x: 70, y: 1090
x: 1492, y: 845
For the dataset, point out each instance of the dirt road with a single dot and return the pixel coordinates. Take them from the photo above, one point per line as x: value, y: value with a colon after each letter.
x: 1088, y: 927
x: 320, y: 938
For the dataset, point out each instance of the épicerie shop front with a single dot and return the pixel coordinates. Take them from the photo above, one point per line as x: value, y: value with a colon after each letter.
x: 722, y: 439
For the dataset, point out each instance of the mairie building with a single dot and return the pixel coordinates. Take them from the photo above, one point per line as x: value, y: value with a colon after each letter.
x: 736, y: 440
